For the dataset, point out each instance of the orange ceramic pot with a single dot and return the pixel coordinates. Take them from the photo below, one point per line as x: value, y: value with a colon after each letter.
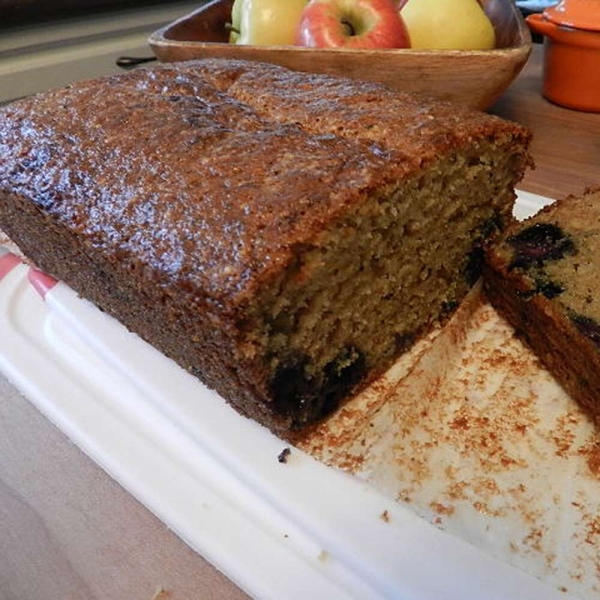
x: 572, y: 53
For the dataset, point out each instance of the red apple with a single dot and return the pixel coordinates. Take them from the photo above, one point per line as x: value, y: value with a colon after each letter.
x: 352, y: 24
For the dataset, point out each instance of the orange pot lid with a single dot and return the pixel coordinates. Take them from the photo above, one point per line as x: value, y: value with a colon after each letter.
x: 579, y: 14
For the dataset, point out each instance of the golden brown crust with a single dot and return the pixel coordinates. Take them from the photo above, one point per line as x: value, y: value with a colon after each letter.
x: 304, y: 152
x: 419, y: 129
x: 168, y: 166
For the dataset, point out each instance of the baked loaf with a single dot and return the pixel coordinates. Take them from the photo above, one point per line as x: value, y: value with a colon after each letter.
x: 543, y: 276
x: 281, y: 235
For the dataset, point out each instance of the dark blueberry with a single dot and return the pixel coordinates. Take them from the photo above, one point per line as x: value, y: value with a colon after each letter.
x: 341, y: 375
x: 539, y: 243
x: 550, y: 289
x: 587, y: 327
x: 473, y: 266
x: 307, y: 398
x: 403, y: 340
x: 495, y: 223
x: 449, y: 306
x: 525, y: 295
x: 290, y: 385
x: 544, y: 286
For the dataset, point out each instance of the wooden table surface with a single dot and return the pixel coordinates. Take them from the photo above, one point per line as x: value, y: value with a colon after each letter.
x: 566, y: 143
x: 67, y: 531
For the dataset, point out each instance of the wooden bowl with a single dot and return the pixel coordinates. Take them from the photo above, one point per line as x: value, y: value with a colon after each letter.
x: 474, y: 78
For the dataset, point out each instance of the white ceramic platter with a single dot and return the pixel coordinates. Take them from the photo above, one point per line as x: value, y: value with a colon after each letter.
x: 297, y: 529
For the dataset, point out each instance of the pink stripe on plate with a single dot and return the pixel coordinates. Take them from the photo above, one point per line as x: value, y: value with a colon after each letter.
x: 41, y: 282
x: 8, y: 261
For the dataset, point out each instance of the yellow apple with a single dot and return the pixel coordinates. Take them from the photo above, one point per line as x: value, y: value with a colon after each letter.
x: 448, y: 25
x: 265, y: 22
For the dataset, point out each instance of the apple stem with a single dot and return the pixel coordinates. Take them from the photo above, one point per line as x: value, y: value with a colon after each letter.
x: 230, y: 27
x: 348, y: 27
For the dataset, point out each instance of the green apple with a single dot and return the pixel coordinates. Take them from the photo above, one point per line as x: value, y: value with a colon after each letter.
x: 265, y: 22
x: 447, y: 25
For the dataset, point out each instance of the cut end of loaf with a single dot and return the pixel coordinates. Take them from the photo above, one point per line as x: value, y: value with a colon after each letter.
x: 383, y: 276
